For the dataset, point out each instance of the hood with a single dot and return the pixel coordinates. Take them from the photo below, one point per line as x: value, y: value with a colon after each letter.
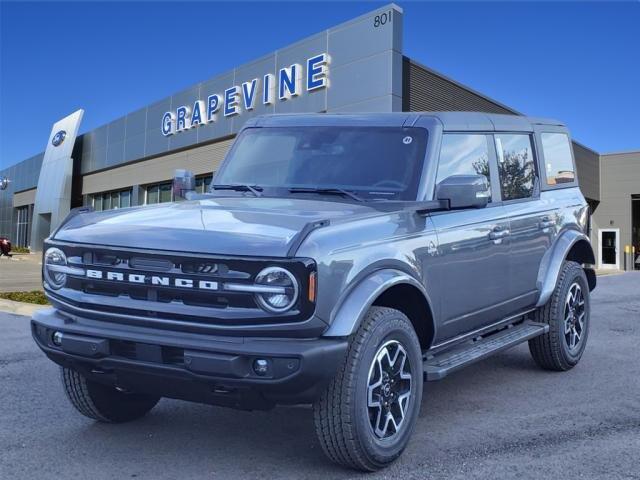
x: 249, y: 226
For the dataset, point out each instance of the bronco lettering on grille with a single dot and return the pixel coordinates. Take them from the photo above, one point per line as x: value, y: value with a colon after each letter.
x: 156, y: 280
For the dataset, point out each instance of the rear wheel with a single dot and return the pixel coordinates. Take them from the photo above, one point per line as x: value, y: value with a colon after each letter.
x: 366, y: 416
x: 102, y: 402
x: 567, y: 314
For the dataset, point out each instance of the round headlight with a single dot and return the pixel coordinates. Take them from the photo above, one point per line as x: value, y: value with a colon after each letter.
x: 285, y: 289
x: 54, y: 259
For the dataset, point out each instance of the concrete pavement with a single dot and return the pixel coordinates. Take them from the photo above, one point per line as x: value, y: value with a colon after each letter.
x: 503, y: 418
x: 20, y: 273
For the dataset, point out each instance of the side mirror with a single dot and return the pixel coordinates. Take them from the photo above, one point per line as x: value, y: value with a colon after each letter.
x: 464, y: 191
x: 184, y: 181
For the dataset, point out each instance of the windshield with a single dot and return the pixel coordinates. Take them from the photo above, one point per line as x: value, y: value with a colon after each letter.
x: 372, y: 162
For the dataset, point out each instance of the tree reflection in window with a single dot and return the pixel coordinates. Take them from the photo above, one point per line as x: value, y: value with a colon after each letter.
x: 515, y: 166
x: 481, y: 167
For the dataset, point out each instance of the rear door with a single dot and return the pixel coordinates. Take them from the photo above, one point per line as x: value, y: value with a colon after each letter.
x: 532, y: 217
x: 470, y: 272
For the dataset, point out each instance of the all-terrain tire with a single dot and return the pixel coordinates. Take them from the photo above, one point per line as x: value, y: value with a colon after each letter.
x: 342, y: 414
x: 552, y: 351
x: 102, y: 402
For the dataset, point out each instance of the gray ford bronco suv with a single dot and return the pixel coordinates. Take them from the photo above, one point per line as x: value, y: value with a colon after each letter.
x: 337, y: 260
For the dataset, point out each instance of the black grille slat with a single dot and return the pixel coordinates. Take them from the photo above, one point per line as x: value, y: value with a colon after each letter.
x: 151, y: 264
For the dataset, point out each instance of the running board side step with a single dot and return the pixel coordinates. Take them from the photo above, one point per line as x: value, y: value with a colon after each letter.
x: 439, y: 366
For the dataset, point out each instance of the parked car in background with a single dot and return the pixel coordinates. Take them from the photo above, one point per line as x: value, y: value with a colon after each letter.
x: 339, y: 260
x: 5, y: 246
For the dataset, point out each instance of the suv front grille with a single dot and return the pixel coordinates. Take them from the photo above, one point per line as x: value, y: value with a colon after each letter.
x: 166, y: 285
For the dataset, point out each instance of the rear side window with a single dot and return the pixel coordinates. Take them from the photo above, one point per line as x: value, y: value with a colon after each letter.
x: 516, y: 166
x: 557, y: 157
x: 463, y: 154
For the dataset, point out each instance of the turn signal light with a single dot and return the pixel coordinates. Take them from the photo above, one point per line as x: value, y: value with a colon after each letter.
x: 312, y: 287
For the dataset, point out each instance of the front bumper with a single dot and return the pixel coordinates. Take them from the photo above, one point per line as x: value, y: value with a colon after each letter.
x: 197, y: 367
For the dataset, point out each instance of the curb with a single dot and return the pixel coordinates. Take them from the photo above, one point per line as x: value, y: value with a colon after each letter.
x: 19, y: 308
x: 606, y: 273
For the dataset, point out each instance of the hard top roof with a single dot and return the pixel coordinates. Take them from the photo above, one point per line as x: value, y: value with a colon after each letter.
x: 452, y: 121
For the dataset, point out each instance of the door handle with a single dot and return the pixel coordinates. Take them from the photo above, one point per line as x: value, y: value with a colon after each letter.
x: 499, y: 233
x: 546, y: 222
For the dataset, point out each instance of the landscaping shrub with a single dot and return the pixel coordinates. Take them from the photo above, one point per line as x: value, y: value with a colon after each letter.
x: 34, y: 296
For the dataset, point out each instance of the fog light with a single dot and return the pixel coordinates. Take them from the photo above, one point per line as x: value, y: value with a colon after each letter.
x: 261, y: 366
x: 56, y: 338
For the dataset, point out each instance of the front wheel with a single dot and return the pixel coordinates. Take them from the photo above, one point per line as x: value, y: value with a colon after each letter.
x: 102, y: 402
x: 567, y: 313
x: 366, y: 416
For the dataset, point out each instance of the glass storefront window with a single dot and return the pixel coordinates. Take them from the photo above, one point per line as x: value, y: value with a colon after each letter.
x: 125, y: 198
x: 203, y: 184
x: 165, y: 193
x: 110, y: 200
x: 152, y: 195
x: 97, y: 202
x: 159, y: 193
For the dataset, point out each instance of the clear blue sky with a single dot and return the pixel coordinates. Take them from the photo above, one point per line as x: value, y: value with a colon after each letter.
x: 578, y: 62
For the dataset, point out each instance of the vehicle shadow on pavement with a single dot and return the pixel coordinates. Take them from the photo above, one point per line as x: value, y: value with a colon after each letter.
x: 199, y: 440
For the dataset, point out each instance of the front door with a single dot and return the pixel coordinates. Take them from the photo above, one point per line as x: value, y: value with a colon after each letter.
x: 470, y: 272
x: 609, y: 240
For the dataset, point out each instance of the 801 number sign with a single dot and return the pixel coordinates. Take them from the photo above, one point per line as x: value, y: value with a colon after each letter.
x: 382, y: 19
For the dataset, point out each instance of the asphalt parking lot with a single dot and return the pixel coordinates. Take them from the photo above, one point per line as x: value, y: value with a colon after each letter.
x: 502, y: 418
x: 20, y: 273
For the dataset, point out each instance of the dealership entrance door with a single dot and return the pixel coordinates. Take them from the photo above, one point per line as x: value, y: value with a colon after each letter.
x: 609, y: 241
x: 23, y: 225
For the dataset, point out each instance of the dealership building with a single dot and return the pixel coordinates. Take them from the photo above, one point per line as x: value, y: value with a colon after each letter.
x: 357, y: 66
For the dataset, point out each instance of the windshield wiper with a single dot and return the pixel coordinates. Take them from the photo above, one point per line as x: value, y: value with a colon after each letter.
x: 329, y: 191
x: 238, y: 187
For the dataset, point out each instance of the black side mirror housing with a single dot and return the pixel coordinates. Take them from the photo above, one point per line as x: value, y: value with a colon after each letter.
x: 464, y: 191
x: 184, y: 183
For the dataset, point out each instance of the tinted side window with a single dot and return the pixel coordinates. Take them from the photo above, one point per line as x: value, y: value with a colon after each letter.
x: 516, y: 166
x: 557, y: 157
x: 463, y: 154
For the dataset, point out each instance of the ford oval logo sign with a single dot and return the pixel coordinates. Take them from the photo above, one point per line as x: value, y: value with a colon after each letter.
x: 58, y: 138
x: 4, y: 183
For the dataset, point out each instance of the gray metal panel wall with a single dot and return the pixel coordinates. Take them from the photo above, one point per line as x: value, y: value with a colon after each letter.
x: 427, y: 90
x: 619, y: 180
x: 23, y: 176
x: 203, y: 159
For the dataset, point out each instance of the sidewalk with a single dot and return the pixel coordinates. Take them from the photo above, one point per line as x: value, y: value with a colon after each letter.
x: 603, y: 272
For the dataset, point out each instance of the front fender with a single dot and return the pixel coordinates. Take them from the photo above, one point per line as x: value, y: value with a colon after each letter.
x: 348, y: 313
x: 553, y: 259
